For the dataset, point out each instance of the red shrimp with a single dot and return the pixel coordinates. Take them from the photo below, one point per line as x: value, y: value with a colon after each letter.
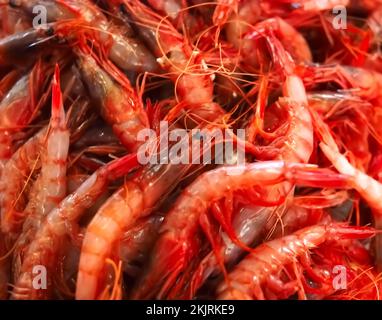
x: 247, y: 20
x: 360, y: 82
x: 369, y: 188
x: 62, y: 221
x: 262, y: 266
x: 119, y: 105
x: 20, y: 106
x: 14, y: 179
x: 128, y: 53
x: 177, y: 244
x: 248, y: 223
x: 298, y: 144
x: 346, y: 114
x: 136, y: 199
x: 50, y: 187
x: 188, y: 70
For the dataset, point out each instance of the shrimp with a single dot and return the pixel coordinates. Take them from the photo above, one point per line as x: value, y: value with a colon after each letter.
x: 135, y: 200
x: 248, y: 224
x: 360, y: 82
x: 15, y: 47
x: 247, y: 21
x: 369, y: 188
x: 188, y: 70
x: 177, y: 244
x: 20, y: 106
x: 345, y: 114
x: 298, y: 144
x: 120, y: 106
x: 128, y: 53
x: 263, y: 265
x: 61, y: 221
x: 13, y: 181
x: 50, y: 187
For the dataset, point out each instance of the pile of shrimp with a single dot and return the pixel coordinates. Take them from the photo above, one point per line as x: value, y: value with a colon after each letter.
x: 82, y: 218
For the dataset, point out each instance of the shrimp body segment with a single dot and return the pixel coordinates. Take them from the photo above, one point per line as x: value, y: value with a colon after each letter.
x: 261, y: 265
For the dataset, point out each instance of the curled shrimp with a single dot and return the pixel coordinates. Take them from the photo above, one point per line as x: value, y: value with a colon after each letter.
x: 50, y: 187
x: 61, y: 221
x: 266, y: 262
x: 177, y: 244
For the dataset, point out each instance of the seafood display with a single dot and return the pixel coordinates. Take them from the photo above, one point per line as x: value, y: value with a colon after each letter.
x: 194, y: 150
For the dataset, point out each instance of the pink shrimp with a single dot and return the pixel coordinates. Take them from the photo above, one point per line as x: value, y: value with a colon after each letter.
x: 266, y: 262
x: 50, y: 187
x: 177, y: 244
x: 62, y: 221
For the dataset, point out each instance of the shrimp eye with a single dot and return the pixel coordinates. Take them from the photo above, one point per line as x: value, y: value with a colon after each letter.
x: 14, y: 3
x: 50, y: 31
